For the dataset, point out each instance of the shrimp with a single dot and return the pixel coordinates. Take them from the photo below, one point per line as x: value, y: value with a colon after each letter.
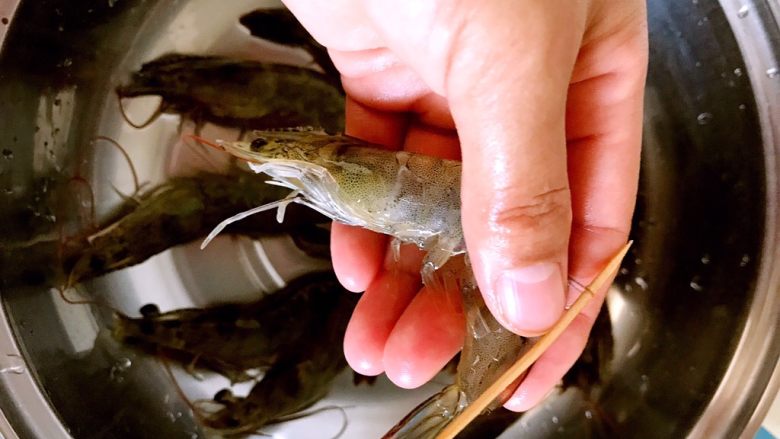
x: 176, y: 212
x: 295, y: 334
x: 298, y: 379
x: 233, y: 338
x: 413, y: 197
x: 237, y: 93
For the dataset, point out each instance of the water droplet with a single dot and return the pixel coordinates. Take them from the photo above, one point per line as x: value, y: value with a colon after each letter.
x: 742, y: 107
x: 743, y: 11
x: 67, y: 62
x: 624, y: 271
x: 704, y: 118
x: 744, y: 261
x: 634, y: 349
x: 555, y: 420
x: 124, y: 363
x: 738, y: 71
x: 698, y: 64
x: 641, y: 282
x: 695, y: 286
x: 111, y: 3
x: 588, y: 414
x: 8, y: 154
x: 706, y: 259
x: 644, y: 384
x: 171, y: 416
x: 772, y: 72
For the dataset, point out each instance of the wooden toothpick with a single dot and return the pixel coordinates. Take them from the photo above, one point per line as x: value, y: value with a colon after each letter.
x: 533, y: 354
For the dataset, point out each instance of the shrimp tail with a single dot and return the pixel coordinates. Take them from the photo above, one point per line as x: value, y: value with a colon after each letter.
x: 430, y: 417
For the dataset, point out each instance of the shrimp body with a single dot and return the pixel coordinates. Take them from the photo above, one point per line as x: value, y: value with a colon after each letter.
x: 413, y: 197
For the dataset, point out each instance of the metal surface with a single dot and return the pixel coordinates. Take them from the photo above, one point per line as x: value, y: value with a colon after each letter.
x: 695, y: 311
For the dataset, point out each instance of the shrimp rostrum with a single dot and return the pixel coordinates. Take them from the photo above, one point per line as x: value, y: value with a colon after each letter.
x: 412, y: 197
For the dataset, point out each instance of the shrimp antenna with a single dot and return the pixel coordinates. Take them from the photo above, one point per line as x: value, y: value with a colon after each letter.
x: 169, y: 371
x: 208, y: 159
x: 295, y: 416
x: 203, y: 141
x: 62, y: 291
x: 124, y: 153
x: 152, y: 118
x: 251, y: 429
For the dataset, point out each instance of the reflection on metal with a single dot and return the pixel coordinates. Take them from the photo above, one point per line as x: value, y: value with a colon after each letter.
x: 53, y: 117
x: 755, y: 362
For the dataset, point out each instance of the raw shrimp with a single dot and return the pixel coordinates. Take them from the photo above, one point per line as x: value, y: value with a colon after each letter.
x: 413, y: 197
x: 296, y: 333
x: 237, y: 93
x: 295, y: 381
x: 179, y: 211
x: 233, y: 338
x: 176, y: 212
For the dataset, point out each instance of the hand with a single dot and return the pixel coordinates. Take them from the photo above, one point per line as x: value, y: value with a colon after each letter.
x: 543, y: 100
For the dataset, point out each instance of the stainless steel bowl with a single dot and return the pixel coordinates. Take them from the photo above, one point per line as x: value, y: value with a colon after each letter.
x: 695, y: 310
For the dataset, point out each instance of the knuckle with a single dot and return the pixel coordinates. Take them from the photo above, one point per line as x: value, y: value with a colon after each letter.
x: 523, y: 214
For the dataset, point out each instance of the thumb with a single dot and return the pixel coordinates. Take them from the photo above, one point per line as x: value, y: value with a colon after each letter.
x: 505, y: 68
x: 509, y: 107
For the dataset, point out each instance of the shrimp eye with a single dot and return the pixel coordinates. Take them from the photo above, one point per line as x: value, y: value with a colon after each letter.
x: 149, y: 310
x: 257, y: 144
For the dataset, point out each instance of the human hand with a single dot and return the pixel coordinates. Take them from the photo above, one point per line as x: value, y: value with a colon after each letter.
x: 543, y: 100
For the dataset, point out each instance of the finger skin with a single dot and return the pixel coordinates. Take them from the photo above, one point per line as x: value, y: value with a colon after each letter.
x: 357, y: 255
x: 429, y: 333
x: 374, y: 318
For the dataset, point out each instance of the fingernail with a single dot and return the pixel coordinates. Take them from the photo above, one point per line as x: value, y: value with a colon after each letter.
x: 518, y: 402
x: 530, y: 299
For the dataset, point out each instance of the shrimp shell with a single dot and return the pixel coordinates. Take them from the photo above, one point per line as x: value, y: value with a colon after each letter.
x: 413, y: 197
